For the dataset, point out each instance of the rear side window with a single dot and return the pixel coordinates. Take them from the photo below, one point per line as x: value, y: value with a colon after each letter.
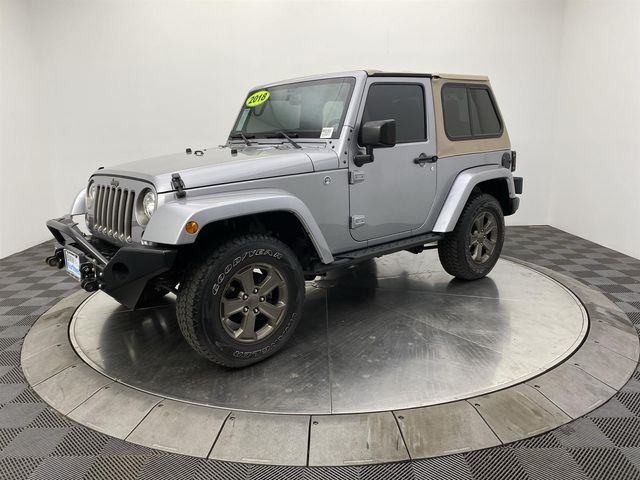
x: 402, y: 102
x: 469, y: 112
x: 455, y: 105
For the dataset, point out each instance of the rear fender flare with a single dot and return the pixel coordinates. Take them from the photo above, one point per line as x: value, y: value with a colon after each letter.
x: 461, y: 190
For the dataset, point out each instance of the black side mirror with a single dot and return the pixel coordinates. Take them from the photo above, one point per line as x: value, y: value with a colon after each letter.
x: 375, y: 134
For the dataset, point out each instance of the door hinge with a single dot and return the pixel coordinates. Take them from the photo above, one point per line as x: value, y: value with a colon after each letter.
x: 356, y: 221
x: 356, y: 176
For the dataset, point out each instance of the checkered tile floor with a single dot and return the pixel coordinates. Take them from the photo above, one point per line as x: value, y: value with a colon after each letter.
x: 37, y: 443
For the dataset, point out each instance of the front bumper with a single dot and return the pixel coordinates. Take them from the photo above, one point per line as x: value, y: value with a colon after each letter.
x: 123, y: 272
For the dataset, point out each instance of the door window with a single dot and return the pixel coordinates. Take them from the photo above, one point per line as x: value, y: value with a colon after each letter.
x: 403, y: 103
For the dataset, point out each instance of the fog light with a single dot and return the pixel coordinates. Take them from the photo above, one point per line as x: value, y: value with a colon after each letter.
x: 191, y: 227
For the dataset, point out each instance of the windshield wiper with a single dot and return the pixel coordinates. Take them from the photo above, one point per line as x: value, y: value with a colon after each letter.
x: 241, y: 135
x: 284, y: 135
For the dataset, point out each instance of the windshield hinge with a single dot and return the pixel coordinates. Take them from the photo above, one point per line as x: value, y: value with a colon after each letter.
x: 356, y: 176
x: 178, y: 184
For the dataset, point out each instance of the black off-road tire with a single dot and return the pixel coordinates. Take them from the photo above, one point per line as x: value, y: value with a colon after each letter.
x: 455, y: 249
x: 204, y: 284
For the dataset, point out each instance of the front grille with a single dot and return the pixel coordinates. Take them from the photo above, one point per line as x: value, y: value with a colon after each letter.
x: 113, y: 211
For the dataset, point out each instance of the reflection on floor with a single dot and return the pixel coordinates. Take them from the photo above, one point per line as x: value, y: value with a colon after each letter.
x: 36, y: 443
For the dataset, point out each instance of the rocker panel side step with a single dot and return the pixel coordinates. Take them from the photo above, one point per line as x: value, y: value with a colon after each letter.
x: 355, y: 256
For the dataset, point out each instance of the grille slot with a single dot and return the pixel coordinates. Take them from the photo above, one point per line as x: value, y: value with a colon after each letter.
x: 113, y: 212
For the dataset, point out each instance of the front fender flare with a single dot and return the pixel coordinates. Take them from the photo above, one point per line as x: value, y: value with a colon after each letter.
x: 461, y: 189
x: 167, y: 226
x: 79, y: 206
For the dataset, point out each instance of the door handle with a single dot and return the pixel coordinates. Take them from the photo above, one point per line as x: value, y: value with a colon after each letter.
x: 423, y: 159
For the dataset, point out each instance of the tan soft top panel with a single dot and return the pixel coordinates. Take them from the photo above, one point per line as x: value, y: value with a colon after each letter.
x: 449, y: 148
x: 460, y: 76
x: 446, y: 147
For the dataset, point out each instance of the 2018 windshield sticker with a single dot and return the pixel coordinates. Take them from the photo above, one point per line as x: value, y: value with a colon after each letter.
x: 257, y: 98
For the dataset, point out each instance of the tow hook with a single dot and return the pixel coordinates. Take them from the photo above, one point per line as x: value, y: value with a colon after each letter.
x: 55, y: 260
x: 90, y: 284
x: 89, y: 281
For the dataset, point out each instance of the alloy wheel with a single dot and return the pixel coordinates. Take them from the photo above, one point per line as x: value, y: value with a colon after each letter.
x: 254, y: 303
x: 483, y: 237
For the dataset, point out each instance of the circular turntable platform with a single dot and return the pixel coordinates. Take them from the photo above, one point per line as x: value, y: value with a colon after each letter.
x: 392, y: 334
x: 393, y: 359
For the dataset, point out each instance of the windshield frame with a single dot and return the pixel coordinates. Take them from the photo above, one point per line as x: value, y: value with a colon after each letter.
x: 273, y: 135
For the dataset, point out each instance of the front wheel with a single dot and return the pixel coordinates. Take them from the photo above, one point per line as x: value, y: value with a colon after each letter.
x: 472, y: 249
x: 240, y: 302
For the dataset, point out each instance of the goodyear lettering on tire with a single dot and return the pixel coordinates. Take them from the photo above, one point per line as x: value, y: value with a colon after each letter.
x: 247, y: 253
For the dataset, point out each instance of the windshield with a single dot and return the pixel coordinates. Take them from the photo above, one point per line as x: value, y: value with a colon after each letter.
x: 313, y: 109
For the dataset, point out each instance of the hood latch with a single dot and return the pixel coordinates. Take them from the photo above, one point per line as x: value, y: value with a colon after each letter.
x: 178, y: 184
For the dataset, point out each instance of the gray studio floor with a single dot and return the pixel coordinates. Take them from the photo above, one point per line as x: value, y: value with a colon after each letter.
x: 37, y: 443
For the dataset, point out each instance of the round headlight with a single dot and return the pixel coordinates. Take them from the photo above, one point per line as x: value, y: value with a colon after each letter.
x: 91, y: 195
x: 149, y: 203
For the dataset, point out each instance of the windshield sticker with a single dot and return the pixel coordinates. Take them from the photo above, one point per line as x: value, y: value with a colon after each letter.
x: 257, y: 98
x: 327, y: 132
x: 242, y: 119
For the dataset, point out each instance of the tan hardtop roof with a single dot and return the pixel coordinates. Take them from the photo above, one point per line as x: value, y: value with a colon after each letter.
x: 447, y: 76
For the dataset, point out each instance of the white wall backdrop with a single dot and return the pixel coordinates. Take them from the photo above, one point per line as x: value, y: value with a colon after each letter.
x: 596, y: 166
x: 26, y: 190
x: 86, y: 84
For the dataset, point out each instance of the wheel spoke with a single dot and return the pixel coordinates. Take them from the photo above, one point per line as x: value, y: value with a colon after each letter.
x: 232, y: 305
x: 247, y: 330
x: 272, y: 311
x: 489, y: 245
x: 475, y: 253
x: 478, y: 223
x: 268, y: 284
x: 246, y: 279
x: 491, y: 225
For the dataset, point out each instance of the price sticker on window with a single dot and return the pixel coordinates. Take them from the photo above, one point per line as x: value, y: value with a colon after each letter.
x: 257, y: 98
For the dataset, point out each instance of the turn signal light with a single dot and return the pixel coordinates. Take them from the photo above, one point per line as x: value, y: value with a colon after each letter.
x: 191, y: 227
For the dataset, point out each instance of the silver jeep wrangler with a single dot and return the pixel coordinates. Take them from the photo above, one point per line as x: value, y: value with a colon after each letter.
x: 317, y: 173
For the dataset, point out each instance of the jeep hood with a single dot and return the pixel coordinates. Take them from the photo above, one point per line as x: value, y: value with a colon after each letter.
x: 219, y: 165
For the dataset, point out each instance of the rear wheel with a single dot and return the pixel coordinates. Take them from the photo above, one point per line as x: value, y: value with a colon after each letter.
x: 240, y: 303
x: 472, y: 249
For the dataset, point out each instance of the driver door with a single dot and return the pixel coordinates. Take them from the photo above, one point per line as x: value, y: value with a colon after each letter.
x: 393, y: 195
